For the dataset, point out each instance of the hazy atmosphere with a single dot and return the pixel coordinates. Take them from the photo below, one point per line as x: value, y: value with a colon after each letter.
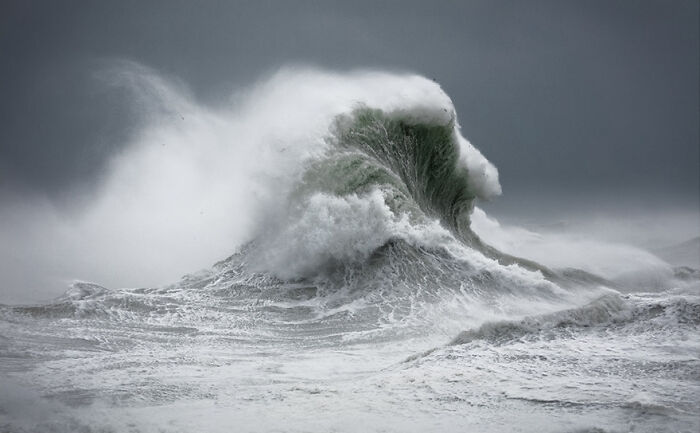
x: 539, y: 161
x: 583, y: 106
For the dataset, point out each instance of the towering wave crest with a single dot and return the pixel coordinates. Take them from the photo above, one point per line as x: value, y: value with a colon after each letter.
x: 383, y: 175
x: 195, y: 181
x: 313, y: 170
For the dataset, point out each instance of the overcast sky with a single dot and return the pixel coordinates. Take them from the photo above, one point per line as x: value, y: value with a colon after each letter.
x: 566, y: 98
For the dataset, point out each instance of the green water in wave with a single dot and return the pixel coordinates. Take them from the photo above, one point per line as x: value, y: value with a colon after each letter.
x: 418, y: 162
x: 416, y: 165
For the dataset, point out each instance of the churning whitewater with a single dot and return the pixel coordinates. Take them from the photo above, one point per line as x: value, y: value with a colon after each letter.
x: 356, y: 295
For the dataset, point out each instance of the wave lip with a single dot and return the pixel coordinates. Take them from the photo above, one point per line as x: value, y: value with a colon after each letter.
x: 389, y: 170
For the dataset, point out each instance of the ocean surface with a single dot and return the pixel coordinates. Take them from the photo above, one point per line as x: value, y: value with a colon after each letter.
x: 364, y: 300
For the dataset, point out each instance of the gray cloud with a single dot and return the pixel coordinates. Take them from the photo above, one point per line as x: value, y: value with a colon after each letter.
x: 598, y: 96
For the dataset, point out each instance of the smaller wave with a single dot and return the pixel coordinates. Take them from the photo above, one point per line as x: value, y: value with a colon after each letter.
x: 603, y: 310
x: 640, y: 314
x: 80, y: 290
x: 89, y: 300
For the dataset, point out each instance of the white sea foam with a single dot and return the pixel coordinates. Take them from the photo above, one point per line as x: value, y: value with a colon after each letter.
x: 332, y: 230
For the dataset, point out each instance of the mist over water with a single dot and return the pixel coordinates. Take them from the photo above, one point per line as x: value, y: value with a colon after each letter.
x: 336, y: 268
x: 194, y: 181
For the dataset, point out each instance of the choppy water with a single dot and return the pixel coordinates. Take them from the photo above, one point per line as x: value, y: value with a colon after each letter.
x: 229, y: 350
x: 364, y: 303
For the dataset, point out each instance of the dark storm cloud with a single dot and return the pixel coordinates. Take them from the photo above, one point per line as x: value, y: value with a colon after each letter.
x: 579, y: 96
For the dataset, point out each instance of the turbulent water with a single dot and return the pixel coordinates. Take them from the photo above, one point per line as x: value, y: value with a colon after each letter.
x: 361, y: 301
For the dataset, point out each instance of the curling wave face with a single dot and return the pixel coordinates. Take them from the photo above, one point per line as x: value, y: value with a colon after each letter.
x: 195, y: 182
x: 402, y: 171
x: 381, y: 177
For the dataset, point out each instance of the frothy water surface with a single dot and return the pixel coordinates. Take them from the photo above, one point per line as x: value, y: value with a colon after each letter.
x: 361, y: 300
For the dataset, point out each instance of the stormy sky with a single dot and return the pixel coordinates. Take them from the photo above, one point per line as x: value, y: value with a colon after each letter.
x: 582, y: 105
x: 583, y: 97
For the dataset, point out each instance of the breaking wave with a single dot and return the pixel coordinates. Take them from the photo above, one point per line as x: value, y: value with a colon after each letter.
x: 345, y: 207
